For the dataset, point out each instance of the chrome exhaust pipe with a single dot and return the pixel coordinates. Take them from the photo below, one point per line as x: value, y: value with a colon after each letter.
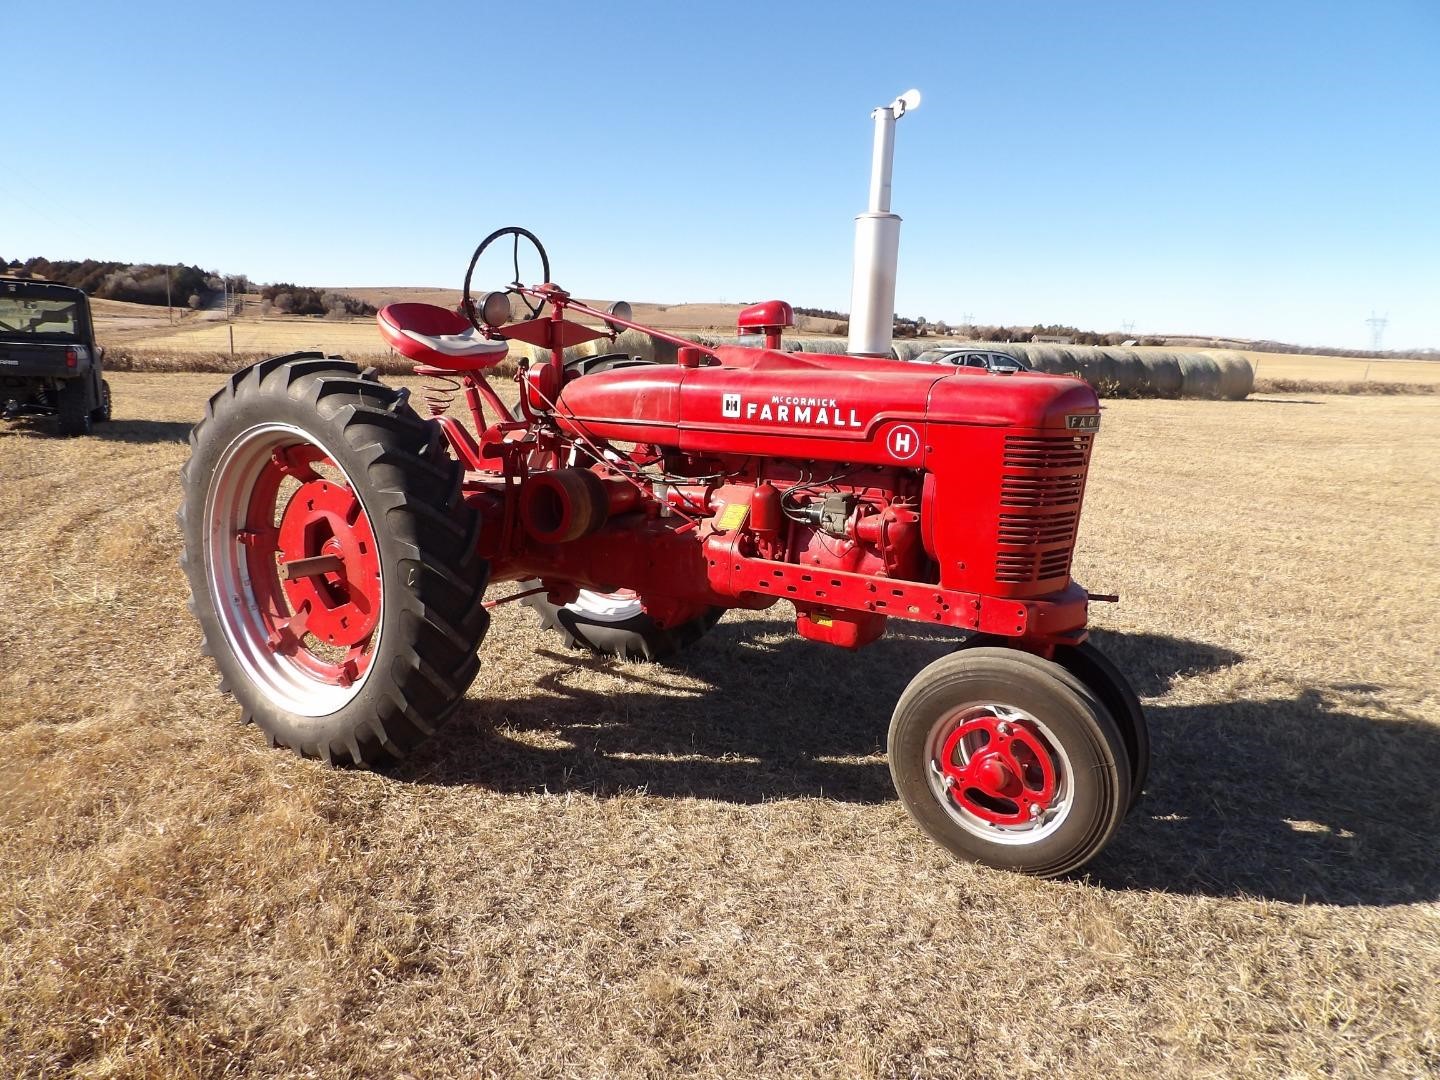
x: 877, y: 241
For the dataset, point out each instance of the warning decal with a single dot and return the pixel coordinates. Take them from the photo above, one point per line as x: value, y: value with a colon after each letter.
x: 732, y: 517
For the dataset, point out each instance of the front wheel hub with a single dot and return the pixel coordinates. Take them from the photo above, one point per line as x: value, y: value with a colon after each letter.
x: 998, y: 773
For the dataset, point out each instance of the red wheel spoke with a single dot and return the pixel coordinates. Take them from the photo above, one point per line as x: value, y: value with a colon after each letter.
x: 262, y: 539
x: 1036, y: 759
x: 298, y: 461
x: 973, y: 772
x: 287, y: 635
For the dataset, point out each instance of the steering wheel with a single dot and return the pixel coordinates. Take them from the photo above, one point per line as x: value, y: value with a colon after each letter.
x: 468, y: 304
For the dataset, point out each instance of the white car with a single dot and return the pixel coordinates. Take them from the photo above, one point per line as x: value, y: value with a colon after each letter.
x: 966, y: 356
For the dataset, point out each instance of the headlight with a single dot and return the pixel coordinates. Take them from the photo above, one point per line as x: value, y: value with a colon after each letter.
x: 495, y: 309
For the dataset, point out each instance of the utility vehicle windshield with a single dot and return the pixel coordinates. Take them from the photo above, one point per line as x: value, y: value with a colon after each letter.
x: 32, y: 316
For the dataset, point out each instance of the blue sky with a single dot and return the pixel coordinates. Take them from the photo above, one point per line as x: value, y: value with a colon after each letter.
x: 1264, y: 169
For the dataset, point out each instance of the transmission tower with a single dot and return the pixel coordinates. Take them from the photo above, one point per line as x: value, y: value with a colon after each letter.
x: 1377, y: 324
x: 1129, y: 327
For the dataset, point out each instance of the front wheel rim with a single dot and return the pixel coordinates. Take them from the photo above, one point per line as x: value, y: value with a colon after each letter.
x: 612, y: 607
x: 1000, y: 773
x: 294, y: 569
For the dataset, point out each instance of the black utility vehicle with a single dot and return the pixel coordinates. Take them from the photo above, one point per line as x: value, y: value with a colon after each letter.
x: 49, y: 362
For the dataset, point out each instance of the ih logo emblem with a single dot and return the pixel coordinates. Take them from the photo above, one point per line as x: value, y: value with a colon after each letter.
x: 904, y: 442
x: 731, y: 406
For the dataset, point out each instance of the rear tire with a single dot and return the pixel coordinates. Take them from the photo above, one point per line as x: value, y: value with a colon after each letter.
x: 298, y: 460
x: 73, y: 406
x: 1007, y: 763
x: 613, y: 624
x: 101, y: 413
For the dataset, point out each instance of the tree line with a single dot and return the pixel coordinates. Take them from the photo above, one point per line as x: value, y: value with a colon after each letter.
x: 177, y: 283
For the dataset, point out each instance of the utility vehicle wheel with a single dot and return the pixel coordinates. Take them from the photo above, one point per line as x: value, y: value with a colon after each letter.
x: 1007, y: 763
x: 101, y: 412
x: 73, y: 405
x: 331, y: 560
x: 615, y: 624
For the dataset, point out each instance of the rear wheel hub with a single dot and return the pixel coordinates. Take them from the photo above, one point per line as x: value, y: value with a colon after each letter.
x: 324, y: 518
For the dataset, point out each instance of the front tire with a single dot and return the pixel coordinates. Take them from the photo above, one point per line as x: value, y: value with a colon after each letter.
x: 1097, y: 675
x: 332, y: 563
x: 1005, y: 763
x: 615, y: 624
x: 1108, y: 683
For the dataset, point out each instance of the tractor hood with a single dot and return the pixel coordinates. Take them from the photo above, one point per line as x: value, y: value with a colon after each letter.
x: 814, y: 406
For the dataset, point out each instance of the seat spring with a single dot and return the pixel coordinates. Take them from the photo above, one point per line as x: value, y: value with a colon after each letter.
x: 438, y: 391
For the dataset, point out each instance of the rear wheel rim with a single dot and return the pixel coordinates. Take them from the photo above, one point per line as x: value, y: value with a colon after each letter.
x: 999, y: 773
x: 294, y: 569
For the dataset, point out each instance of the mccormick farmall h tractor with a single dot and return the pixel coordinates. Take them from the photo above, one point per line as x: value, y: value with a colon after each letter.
x: 343, y: 550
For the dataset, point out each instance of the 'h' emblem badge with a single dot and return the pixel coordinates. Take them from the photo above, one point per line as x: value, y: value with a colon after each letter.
x: 904, y: 442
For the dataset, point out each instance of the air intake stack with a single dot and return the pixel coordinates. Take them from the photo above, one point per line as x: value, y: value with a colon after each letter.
x: 877, y: 241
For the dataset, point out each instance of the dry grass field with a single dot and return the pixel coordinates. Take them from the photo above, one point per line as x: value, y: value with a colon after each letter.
x: 348, y: 337
x: 623, y: 869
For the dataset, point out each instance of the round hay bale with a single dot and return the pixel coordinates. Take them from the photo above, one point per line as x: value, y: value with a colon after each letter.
x: 1237, y: 376
x: 1102, y: 362
x: 1046, y: 358
x: 908, y: 350
x: 1162, y: 372
x: 1072, y: 361
x: 1200, y: 376
x: 1050, y: 359
x: 1131, y: 377
x: 1089, y: 364
x: 629, y: 342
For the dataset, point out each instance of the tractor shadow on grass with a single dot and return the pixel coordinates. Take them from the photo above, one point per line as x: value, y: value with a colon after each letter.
x: 143, y: 431
x: 741, y: 717
x: 1293, y: 799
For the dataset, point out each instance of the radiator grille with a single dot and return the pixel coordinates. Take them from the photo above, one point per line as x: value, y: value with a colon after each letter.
x: 1023, y: 531
x: 1042, y: 481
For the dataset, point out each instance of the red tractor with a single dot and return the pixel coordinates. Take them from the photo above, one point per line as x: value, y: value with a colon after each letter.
x: 343, y: 550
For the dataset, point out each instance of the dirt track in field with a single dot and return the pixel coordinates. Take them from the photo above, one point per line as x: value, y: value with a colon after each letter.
x: 629, y: 869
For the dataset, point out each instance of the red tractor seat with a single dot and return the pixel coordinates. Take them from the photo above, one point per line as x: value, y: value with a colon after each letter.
x: 438, y: 336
